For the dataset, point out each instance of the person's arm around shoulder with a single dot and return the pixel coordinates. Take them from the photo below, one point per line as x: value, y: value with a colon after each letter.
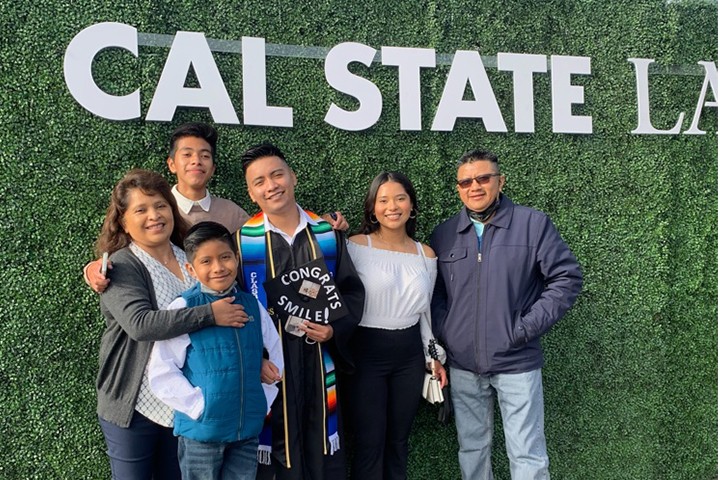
x: 129, y: 302
x: 165, y: 376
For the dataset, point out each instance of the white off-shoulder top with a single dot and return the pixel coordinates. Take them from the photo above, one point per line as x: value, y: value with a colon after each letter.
x: 398, y: 288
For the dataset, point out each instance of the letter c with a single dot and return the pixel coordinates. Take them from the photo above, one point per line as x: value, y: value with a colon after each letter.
x: 79, y: 56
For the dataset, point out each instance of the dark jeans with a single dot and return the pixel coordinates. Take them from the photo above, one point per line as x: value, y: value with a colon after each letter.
x: 384, y: 395
x: 142, y: 451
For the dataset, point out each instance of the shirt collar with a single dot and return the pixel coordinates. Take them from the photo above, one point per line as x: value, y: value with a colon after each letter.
x: 501, y: 219
x: 226, y: 292
x: 185, y: 204
x: 304, y: 221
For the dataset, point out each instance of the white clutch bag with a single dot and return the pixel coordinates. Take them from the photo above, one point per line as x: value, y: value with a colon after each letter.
x: 431, y: 388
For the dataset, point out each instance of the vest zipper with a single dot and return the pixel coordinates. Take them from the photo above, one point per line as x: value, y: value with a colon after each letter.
x: 242, y: 381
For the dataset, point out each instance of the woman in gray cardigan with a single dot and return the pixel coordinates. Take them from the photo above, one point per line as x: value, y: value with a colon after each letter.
x: 142, y: 232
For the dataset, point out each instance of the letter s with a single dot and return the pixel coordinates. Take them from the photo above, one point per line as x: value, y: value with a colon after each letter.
x: 341, y: 79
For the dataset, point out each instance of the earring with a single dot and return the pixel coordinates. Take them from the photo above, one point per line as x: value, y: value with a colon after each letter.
x: 373, y: 218
x: 413, y: 211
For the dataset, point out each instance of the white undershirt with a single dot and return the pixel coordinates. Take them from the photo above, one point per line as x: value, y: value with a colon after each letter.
x: 304, y: 221
x: 168, y: 357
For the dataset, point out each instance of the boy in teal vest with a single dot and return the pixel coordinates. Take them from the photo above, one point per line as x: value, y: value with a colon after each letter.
x: 212, y: 377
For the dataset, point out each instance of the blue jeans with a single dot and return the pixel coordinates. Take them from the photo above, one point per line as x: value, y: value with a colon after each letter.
x: 218, y: 461
x: 520, y: 398
x: 142, y: 451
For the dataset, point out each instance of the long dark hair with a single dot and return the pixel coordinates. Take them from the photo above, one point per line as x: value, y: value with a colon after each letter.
x: 369, y: 222
x: 112, y: 235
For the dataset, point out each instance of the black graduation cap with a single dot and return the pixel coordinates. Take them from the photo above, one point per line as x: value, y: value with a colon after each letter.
x: 307, y: 292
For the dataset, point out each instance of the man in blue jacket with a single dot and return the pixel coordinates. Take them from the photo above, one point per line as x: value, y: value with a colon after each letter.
x: 505, y: 276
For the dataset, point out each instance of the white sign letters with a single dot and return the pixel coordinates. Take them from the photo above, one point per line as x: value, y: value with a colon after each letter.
x: 191, y: 50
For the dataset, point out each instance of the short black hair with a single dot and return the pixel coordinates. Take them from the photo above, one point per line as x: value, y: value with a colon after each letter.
x: 203, y: 232
x: 265, y: 149
x: 194, y: 129
x: 477, y: 155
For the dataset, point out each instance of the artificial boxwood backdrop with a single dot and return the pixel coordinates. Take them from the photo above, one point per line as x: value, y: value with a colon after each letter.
x: 630, y: 380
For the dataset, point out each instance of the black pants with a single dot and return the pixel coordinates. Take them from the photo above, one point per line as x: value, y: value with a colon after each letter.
x: 384, y: 396
x: 334, y: 468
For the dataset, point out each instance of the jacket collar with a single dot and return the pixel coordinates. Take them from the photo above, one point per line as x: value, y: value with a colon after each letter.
x: 501, y: 219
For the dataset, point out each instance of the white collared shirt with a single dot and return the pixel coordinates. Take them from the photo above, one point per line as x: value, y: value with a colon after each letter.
x: 304, y: 221
x: 185, y: 204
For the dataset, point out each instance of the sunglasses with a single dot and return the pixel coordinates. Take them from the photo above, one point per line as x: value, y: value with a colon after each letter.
x: 480, y: 179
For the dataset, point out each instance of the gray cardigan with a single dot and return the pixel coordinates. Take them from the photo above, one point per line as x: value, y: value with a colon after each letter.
x: 133, y: 323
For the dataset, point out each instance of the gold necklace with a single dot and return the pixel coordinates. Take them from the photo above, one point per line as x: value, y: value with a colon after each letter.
x: 168, y: 259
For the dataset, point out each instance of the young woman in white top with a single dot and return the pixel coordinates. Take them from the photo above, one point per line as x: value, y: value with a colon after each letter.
x: 390, y: 345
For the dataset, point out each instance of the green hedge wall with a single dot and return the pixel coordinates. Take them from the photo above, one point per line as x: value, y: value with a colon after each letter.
x: 630, y: 380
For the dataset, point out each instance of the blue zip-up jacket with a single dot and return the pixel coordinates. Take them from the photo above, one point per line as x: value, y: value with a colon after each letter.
x: 225, y: 363
x: 491, y: 307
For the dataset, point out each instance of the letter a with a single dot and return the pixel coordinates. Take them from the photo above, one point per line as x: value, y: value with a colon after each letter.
x: 711, y: 78
x: 191, y: 49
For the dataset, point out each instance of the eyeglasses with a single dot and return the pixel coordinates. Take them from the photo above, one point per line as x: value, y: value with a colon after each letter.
x: 480, y: 179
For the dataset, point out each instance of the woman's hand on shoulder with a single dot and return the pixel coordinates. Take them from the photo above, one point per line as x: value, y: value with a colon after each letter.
x: 429, y: 252
x: 228, y: 314
x: 359, y: 239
